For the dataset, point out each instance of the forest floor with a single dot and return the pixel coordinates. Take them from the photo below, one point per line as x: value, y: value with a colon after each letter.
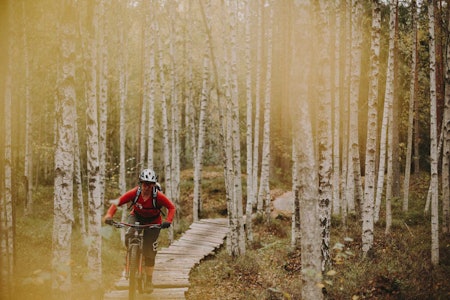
x: 399, y: 267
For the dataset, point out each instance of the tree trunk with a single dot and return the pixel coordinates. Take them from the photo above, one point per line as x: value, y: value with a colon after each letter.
x: 309, y: 217
x: 6, y: 201
x: 446, y: 147
x: 372, y: 132
x: 198, y: 160
x: 258, y: 80
x: 95, y: 203
x: 433, y: 139
x: 336, y: 94
x: 324, y: 130
x: 64, y: 157
x: 412, y: 101
x: 388, y: 96
x: 150, y: 49
x: 102, y: 94
x: 264, y: 189
x: 123, y: 91
x: 249, y: 122
x: 28, y: 164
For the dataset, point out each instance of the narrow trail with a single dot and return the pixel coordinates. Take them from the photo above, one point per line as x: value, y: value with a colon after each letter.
x: 174, y: 263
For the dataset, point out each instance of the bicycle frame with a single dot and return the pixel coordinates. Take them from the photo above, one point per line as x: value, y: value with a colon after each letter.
x: 135, y: 260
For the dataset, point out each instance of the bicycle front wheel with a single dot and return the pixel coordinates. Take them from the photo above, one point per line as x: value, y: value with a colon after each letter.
x: 132, y: 281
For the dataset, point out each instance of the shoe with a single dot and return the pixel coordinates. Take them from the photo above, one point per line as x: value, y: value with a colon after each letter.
x: 148, y: 286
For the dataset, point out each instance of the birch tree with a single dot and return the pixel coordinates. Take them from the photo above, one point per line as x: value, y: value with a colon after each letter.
x: 78, y: 181
x: 102, y: 92
x: 123, y: 90
x: 264, y: 189
x: 372, y: 132
x: 199, y: 145
x: 336, y: 94
x: 28, y: 163
x: 412, y: 101
x: 300, y: 93
x: 353, y: 164
x: 258, y: 79
x: 433, y: 139
x: 94, y: 259
x: 235, y: 158
x: 446, y: 146
x: 388, y: 100
x: 150, y: 76
x: 64, y: 156
x: 6, y: 207
x: 325, y: 138
x: 249, y: 122
x: 309, y: 217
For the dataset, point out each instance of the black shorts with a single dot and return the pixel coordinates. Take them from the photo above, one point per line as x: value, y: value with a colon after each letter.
x: 150, y: 238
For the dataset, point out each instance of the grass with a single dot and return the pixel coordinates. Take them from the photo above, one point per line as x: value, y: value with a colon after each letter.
x: 398, y: 267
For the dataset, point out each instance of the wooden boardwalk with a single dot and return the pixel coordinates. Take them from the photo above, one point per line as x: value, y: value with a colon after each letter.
x: 174, y: 263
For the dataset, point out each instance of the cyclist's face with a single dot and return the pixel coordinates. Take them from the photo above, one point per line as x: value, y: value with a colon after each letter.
x: 147, y: 186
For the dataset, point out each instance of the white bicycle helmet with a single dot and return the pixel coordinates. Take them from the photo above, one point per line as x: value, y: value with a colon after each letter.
x: 148, y: 175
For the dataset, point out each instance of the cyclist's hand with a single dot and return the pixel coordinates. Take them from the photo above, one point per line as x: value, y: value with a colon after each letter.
x: 165, y: 224
x: 109, y: 221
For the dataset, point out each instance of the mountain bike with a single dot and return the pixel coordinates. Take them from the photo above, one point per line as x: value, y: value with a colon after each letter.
x: 135, y: 260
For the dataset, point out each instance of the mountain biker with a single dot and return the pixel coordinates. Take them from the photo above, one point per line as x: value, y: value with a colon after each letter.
x: 142, y: 199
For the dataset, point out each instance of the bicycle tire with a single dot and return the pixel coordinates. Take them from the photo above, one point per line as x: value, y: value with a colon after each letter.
x: 132, y: 280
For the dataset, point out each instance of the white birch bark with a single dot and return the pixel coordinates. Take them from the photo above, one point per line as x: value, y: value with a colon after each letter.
x: 446, y: 146
x: 300, y: 92
x: 309, y: 217
x: 175, y: 118
x: 412, y: 100
x: 345, y: 110
x: 6, y: 203
x: 102, y: 93
x: 337, y: 98
x: 200, y: 144
x: 95, y: 204
x: 264, y: 198
x: 235, y: 136
x: 150, y: 49
x: 324, y: 130
x: 249, y: 122
x: 142, y: 129
x: 258, y: 79
x: 28, y: 163
x: 78, y: 182
x: 64, y: 157
x: 372, y: 132
x: 390, y: 132
x: 388, y: 96
x: 164, y: 117
x: 123, y: 91
x: 353, y: 169
x: 433, y: 139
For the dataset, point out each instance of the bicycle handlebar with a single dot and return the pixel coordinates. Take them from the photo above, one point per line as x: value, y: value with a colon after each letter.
x: 138, y: 226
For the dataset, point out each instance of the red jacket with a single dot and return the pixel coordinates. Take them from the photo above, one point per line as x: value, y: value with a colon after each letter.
x: 145, y: 208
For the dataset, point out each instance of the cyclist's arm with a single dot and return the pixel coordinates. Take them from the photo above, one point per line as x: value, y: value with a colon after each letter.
x: 125, y: 198
x: 164, y: 201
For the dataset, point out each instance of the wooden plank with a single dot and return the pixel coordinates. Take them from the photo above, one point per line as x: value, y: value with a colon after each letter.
x: 191, y: 246
x: 166, y: 293
x: 201, y: 240
x: 175, y: 260
x: 219, y: 228
x: 195, y: 252
x: 218, y: 221
x: 207, y: 232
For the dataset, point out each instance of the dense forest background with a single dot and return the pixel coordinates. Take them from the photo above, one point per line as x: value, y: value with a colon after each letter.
x: 175, y: 85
